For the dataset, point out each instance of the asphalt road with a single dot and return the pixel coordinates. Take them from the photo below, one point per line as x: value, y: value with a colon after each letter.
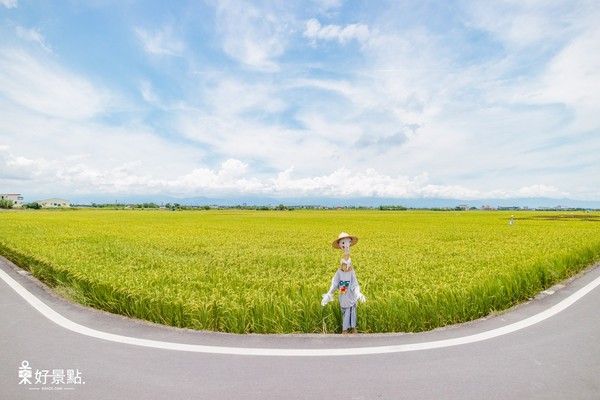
x: 555, y: 356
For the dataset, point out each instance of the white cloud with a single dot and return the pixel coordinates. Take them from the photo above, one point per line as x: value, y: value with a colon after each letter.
x: 232, y: 178
x: 228, y: 179
x: 314, y: 30
x: 572, y: 78
x: 34, y: 35
x: 161, y: 42
x: 232, y: 169
x: 9, y: 3
x: 148, y: 92
x: 344, y: 183
x: 522, y: 24
x: 539, y: 191
x: 254, y: 36
x: 326, y: 5
x: 48, y: 89
x: 232, y: 97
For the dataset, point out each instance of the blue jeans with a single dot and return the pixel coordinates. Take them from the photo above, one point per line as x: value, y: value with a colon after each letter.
x: 349, y: 317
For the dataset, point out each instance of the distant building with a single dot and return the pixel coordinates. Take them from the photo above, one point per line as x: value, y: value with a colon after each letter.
x: 16, y: 199
x: 54, y: 202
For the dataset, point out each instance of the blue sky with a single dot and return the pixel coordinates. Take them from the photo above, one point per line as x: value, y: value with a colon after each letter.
x: 295, y: 99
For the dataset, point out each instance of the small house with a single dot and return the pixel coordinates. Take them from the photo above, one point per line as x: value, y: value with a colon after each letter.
x: 54, y: 202
x: 16, y: 199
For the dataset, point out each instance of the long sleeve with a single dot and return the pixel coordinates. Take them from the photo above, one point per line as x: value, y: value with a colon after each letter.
x: 335, y: 282
x: 354, y: 283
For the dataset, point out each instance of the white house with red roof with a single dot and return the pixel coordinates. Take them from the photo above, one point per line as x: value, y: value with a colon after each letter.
x: 16, y: 199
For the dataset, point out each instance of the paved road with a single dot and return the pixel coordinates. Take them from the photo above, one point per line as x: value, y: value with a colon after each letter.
x: 554, y: 358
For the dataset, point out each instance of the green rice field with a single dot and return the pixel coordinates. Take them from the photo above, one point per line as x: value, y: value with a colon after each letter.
x: 264, y: 271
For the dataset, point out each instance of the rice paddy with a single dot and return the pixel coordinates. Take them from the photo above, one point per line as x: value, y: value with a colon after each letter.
x: 264, y: 271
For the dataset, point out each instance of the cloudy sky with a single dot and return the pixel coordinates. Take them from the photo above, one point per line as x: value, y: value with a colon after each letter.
x: 323, y: 98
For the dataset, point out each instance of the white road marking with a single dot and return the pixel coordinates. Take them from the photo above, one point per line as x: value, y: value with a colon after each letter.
x: 249, y: 351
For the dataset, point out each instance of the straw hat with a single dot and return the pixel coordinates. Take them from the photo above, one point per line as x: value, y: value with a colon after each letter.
x: 336, y: 243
